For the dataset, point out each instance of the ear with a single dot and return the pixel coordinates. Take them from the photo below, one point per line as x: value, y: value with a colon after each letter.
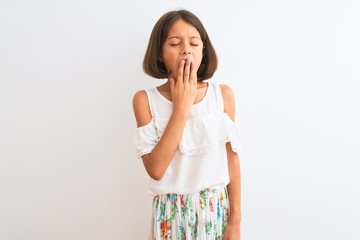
x: 160, y: 59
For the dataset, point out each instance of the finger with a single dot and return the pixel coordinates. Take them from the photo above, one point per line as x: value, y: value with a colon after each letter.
x: 193, y: 75
x: 180, y: 73
x: 187, y: 71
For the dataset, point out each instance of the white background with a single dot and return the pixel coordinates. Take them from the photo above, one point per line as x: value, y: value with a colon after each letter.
x: 69, y: 69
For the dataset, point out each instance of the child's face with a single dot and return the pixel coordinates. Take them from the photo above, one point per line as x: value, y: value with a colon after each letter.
x: 183, y: 42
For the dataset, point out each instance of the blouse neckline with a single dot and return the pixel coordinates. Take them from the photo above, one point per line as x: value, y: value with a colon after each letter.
x: 195, y: 104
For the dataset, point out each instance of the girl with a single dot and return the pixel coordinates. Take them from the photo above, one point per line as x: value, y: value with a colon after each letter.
x: 187, y: 137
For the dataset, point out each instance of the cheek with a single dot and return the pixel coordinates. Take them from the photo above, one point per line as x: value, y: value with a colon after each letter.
x: 198, y: 61
x: 169, y: 62
x: 196, y: 66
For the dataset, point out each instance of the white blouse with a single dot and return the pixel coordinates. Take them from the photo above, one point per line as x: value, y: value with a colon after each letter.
x: 200, y: 160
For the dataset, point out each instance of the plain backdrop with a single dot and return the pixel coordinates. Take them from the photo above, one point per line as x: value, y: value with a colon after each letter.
x: 69, y: 69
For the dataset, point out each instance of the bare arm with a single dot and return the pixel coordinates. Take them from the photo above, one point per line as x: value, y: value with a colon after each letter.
x: 234, y: 187
x: 183, y: 93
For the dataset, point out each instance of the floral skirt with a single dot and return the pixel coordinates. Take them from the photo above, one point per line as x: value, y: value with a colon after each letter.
x: 199, y: 216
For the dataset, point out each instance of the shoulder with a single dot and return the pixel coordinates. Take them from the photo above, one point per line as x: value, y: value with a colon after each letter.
x: 140, y: 97
x: 141, y: 108
x: 229, y: 100
x: 226, y: 92
x: 140, y: 100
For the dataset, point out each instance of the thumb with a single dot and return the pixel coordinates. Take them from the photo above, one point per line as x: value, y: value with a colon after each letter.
x: 172, y: 84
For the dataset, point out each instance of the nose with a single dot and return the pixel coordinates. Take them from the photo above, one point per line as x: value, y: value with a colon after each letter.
x: 185, y: 52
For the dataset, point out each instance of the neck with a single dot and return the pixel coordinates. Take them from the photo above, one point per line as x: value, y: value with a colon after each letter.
x: 166, y: 86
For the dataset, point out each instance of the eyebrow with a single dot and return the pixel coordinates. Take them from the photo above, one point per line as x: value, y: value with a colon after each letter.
x: 180, y: 37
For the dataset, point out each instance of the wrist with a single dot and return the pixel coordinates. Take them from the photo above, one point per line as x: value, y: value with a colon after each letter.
x: 181, y: 113
x: 234, y: 222
x: 235, y: 218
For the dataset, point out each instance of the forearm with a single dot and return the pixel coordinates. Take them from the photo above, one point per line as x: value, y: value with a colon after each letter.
x: 160, y: 157
x: 234, y: 187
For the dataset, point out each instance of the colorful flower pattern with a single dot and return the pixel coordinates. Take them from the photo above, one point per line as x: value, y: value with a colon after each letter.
x: 199, y: 216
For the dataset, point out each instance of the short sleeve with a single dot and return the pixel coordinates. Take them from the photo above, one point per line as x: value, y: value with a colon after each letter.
x: 145, y: 139
x: 233, y: 134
